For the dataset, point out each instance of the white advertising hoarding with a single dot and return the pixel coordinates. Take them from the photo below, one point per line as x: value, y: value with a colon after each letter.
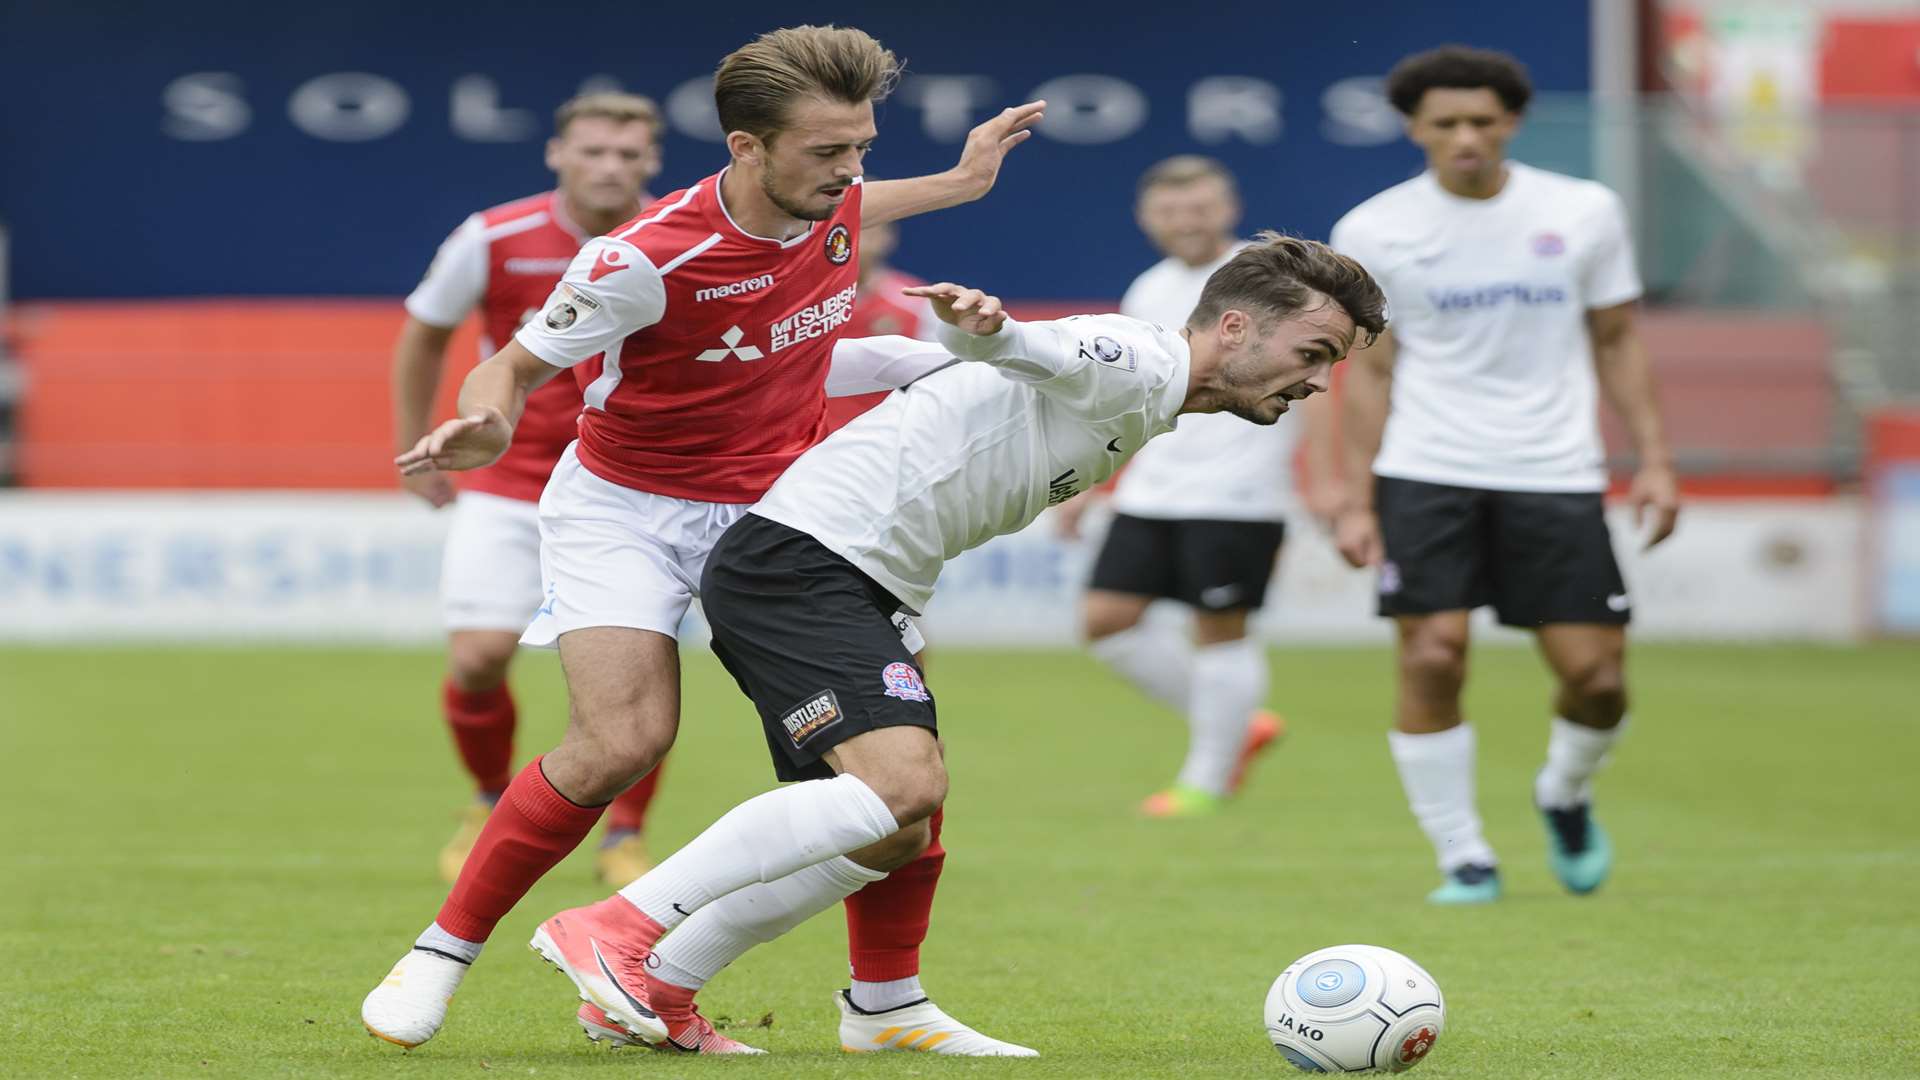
x: 183, y: 567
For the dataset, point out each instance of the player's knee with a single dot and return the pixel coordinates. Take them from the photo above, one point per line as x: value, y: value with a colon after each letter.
x: 1101, y: 615
x: 913, y: 786
x: 1434, y: 659
x: 897, y: 850
x: 616, y: 755
x: 479, y: 661
x: 1598, y: 689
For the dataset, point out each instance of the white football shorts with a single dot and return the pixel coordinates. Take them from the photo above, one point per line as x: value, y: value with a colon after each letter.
x: 490, y: 569
x: 614, y: 556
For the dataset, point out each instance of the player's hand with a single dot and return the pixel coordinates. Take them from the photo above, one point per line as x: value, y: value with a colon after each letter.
x: 467, y: 442
x: 1067, y: 516
x: 969, y: 309
x: 1357, y: 534
x: 434, y: 487
x: 987, y: 145
x: 1655, y: 488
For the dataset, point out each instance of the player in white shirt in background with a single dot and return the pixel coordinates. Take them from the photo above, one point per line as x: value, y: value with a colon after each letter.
x: 802, y: 591
x: 1198, y: 519
x: 1474, y: 463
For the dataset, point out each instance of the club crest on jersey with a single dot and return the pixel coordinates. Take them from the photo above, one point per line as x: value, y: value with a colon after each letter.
x: 839, y: 245
x: 1548, y: 244
x: 810, y: 717
x: 611, y: 261
x: 902, y: 682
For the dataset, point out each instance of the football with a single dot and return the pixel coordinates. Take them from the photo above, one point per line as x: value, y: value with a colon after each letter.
x: 1355, y: 1009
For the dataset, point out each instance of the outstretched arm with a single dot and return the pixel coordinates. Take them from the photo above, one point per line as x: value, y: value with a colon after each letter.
x: 871, y: 364
x: 980, y: 160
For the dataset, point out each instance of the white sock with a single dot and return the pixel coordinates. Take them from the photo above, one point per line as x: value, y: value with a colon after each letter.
x: 763, y: 839
x: 440, y: 941
x: 1437, y: 772
x: 1574, y: 753
x: 1229, y: 683
x: 724, y: 930
x: 1152, y: 658
x: 880, y: 996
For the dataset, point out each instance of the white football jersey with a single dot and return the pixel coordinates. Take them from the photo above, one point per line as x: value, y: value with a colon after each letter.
x: 1216, y: 467
x: 1493, y: 382
x: 978, y: 450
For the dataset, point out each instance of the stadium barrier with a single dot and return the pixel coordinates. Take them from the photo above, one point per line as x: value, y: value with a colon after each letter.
x: 352, y: 567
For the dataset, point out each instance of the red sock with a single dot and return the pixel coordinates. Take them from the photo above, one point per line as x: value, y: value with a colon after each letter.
x: 482, y: 723
x: 629, y: 812
x: 533, y: 828
x: 887, y: 920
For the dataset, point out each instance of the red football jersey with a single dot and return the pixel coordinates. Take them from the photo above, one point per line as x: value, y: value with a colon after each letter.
x: 505, y: 261
x: 879, y: 309
x: 701, y: 350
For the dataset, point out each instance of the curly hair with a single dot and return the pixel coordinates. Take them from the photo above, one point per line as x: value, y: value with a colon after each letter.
x: 1458, y: 67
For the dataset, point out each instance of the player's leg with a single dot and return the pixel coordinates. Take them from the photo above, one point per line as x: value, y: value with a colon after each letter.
x: 615, y: 597
x: 1433, y: 575
x: 1135, y: 565
x: 489, y: 587
x: 1221, y: 570
x: 811, y: 643
x: 1559, y: 577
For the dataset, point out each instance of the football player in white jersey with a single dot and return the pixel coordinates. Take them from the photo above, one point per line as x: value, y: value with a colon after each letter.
x: 1474, y: 460
x: 1198, y: 519
x: 802, y: 591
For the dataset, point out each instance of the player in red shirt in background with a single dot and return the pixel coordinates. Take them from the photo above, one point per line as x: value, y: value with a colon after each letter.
x: 880, y: 309
x: 504, y: 262
x: 702, y: 334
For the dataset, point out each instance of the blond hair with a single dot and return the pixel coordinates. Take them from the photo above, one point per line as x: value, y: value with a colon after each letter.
x: 1279, y: 276
x: 1182, y: 169
x: 611, y: 105
x: 760, y: 81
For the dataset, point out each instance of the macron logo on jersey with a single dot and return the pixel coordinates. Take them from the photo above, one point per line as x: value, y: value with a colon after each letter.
x: 738, y: 288
x: 1487, y: 297
x: 611, y: 261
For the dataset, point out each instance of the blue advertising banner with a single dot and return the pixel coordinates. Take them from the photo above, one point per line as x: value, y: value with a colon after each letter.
x: 220, y: 147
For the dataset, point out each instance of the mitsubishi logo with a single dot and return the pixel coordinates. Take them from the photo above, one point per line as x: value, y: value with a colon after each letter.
x: 732, y: 340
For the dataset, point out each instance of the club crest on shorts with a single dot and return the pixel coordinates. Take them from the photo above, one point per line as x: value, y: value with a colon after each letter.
x: 810, y: 717
x: 1389, y: 578
x: 903, y: 682
x: 839, y: 245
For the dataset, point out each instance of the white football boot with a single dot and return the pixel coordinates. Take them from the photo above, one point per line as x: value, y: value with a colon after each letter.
x: 921, y: 1026
x: 410, y: 1004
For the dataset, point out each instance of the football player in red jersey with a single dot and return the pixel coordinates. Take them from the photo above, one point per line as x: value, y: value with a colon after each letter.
x: 504, y: 262
x: 701, y: 334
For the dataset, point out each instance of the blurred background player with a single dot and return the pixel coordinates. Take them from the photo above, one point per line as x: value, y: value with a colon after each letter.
x: 1198, y: 518
x: 505, y: 261
x: 1511, y: 288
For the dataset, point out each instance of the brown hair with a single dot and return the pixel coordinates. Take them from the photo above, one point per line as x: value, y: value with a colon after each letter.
x: 1184, y: 169
x: 1281, y: 275
x: 607, y: 106
x: 758, y: 82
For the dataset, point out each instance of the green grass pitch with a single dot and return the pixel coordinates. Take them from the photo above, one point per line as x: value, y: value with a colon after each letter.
x: 209, y: 856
